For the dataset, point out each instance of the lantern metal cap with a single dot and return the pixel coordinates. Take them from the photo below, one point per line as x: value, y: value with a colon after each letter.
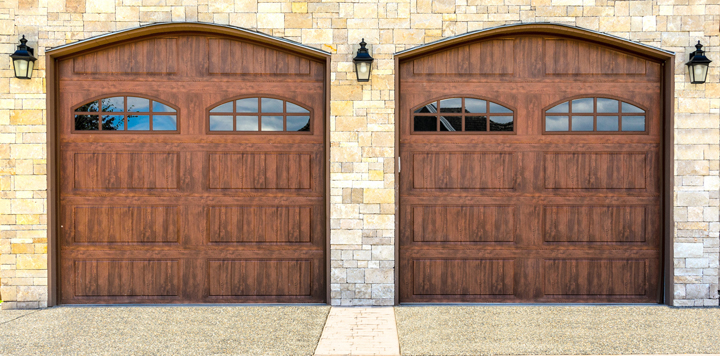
x: 24, y: 51
x: 362, y: 54
x: 698, y: 56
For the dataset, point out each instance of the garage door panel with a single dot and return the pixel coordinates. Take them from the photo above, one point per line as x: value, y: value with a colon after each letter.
x: 464, y: 277
x: 260, y: 278
x: 260, y: 171
x: 595, y: 170
x: 112, y: 278
x: 467, y: 223
x: 124, y: 224
x: 569, y: 277
x: 258, y: 224
x: 126, y: 170
x: 596, y: 224
x: 463, y: 170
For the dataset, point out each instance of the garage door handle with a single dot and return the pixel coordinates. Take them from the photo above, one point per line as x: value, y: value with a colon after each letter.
x: 399, y: 165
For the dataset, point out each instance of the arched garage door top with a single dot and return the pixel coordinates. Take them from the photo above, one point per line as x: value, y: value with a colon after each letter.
x: 168, y: 28
x: 539, y: 28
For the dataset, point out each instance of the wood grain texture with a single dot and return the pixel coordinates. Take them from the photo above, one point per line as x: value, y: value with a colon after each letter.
x: 576, y: 216
x: 492, y: 57
x: 185, y: 216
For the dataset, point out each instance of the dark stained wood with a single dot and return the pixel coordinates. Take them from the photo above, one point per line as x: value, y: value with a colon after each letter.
x: 532, y: 216
x: 185, y: 216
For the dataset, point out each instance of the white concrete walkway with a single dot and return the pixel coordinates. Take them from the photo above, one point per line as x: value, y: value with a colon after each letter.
x: 359, y: 331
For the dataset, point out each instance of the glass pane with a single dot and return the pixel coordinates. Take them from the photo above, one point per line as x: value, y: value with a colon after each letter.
x: 89, y: 107
x: 582, y: 123
x: 557, y: 123
x: 583, y: 105
x: 298, y: 123
x: 164, y: 123
x: 246, y: 123
x: 160, y: 107
x: 629, y: 108
x: 138, y: 104
x: 607, y: 105
x: 227, y: 107
x: 475, y: 106
x: 271, y: 105
x: 87, y: 122
x: 295, y: 108
x: 272, y: 123
x: 247, y: 105
x: 560, y: 108
x: 138, y: 122
x: 116, y: 104
x: 501, y: 123
x: 450, y: 123
x: 425, y: 123
x: 499, y: 109
x: 475, y: 123
x: 607, y: 123
x: 113, y: 122
x: 428, y: 109
x: 221, y: 123
x: 453, y: 105
x: 633, y: 123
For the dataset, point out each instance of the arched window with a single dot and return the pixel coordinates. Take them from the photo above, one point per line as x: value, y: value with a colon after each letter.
x: 463, y: 115
x: 594, y: 115
x: 125, y: 113
x: 259, y: 115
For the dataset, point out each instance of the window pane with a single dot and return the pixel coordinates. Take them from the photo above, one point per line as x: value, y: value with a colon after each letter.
x: 560, y: 108
x: 138, y: 104
x: 221, y: 123
x: 247, y: 105
x: 607, y: 105
x: 556, y: 123
x: 453, y: 105
x: 425, y: 123
x: 475, y: 106
x: 501, y: 123
x: 246, y: 123
x: 87, y: 122
x: 582, y: 123
x: 298, y: 123
x: 629, y: 108
x: 271, y: 105
x: 633, y: 123
x: 583, y: 105
x: 475, y: 123
x: 428, y: 109
x: 227, y: 107
x: 116, y: 104
x: 295, y: 108
x: 160, y: 107
x: 499, y: 109
x: 164, y: 123
x: 138, y: 122
x: 113, y: 122
x: 450, y: 123
x: 607, y: 123
x: 272, y: 123
x: 89, y: 107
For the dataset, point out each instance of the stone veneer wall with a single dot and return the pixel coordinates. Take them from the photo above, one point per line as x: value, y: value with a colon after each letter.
x: 362, y: 116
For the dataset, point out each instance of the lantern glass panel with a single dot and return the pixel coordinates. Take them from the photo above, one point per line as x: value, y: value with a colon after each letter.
x: 363, y: 70
x: 700, y: 72
x: 21, y: 67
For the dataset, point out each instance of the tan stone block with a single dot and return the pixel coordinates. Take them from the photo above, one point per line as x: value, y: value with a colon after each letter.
x: 178, y: 13
x: 341, y: 108
x: 26, y: 86
x: 378, y: 151
x: 551, y: 11
x: 100, y: 6
x: 427, y: 21
x: 375, y: 175
x: 383, y: 139
x: 221, y: 6
x: 365, y: 10
x: 693, y: 23
x: 443, y: 6
x: 344, y: 211
x: 248, y: 20
x: 298, y: 21
x: 346, y: 237
x: 345, y: 154
x: 26, y: 151
x: 379, y: 275
x: 31, y: 293
x: 126, y: 13
x: 362, y: 23
x: 357, y: 195
x: 300, y: 7
x: 691, y: 199
x: 22, y: 248
x: 382, y: 222
x: 75, y: 6
x: 27, y: 219
x: 408, y: 37
x: 614, y: 24
x: 425, y: 6
x: 346, y: 92
x: 155, y: 16
x: 640, y: 8
x: 692, y: 168
x: 33, y: 261
x: 272, y: 21
x: 317, y: 36
x: 379, y: 196
x: 246, y: 6
x: 9, y: 293
x: 346, y: 123
x: 28, y: 206
x: 26, y: 117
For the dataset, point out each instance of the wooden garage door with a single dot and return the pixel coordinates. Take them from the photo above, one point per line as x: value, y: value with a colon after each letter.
x: 530, y: 172
x: 191, y: 171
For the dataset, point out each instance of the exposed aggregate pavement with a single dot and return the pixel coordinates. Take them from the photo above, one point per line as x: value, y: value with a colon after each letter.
x: 557, y: 330
x: 199, y: 330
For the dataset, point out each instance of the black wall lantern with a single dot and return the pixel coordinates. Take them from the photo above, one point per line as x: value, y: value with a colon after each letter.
x: 23, y: 60
x: 698, y: 65
x: 363, y: 63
